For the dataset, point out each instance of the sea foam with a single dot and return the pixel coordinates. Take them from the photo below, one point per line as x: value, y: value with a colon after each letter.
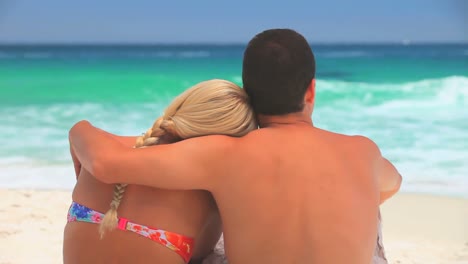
x: 420, y: 126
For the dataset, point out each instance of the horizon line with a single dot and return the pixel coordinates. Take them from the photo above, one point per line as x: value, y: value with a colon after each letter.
x: 187, y: 43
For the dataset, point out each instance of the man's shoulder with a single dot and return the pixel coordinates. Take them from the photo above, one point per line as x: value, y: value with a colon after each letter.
x: 366, y: 144
x: 356, y: 142
x: 360, y: 140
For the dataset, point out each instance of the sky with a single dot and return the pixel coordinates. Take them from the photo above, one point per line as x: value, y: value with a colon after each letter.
x: 235, y: 21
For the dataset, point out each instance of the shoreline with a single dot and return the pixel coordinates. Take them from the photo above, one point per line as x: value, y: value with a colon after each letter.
x: 404, y: 193
x: 417, y: 228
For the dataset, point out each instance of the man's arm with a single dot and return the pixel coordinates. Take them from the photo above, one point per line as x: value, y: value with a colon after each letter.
x: 76, y: 162
x: 128, y: 141
x: 389, y: 179
x: 189, y: 164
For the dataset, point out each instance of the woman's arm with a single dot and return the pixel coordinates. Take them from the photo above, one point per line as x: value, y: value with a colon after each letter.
x: 189, y: 164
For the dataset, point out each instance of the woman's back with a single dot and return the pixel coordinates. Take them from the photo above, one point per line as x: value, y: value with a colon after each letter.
x: 210, y: 107
x: 189, y: 213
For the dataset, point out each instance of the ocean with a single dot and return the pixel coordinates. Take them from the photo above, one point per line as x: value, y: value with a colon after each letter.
x: 412, y: 100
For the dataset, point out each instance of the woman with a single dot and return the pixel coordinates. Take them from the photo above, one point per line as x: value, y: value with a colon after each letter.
x: 180, y: 225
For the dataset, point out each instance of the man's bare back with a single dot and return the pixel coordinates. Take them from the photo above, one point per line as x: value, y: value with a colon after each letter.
x: 301, y: 192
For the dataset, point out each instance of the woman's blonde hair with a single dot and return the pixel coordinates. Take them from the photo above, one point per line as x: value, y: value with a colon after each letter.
x: 210, y: 107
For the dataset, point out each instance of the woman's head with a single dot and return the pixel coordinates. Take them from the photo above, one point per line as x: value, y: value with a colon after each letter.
x: 210, y: 107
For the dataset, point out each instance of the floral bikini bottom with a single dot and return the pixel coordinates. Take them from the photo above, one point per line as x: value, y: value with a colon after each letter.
x: 180, y: 244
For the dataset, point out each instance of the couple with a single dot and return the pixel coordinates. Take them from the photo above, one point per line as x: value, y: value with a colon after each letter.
x: 285, y: 193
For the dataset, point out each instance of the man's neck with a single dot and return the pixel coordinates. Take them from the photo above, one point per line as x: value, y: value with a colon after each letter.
x: 284, y: 120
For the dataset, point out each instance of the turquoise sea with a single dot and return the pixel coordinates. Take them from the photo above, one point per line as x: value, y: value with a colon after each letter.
x: 411, y: 99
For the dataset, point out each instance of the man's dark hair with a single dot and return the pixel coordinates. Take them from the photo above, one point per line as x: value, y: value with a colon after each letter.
x: 278, y: 67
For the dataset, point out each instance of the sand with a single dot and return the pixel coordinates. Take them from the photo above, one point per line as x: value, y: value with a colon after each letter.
x: 425, y: 229
x: 417, y: 228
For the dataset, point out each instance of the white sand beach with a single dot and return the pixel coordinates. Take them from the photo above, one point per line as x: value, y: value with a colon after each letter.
x: 417, y: 228
x: 425, y: 229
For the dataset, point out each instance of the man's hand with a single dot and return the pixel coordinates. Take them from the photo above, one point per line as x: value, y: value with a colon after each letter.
x: 76, y: 162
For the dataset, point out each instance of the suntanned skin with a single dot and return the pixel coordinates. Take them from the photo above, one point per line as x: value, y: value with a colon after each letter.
x: 191, y: 213
x: 287, y: 193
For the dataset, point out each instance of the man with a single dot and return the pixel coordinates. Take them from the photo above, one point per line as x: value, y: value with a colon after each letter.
x: 288, y: 192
